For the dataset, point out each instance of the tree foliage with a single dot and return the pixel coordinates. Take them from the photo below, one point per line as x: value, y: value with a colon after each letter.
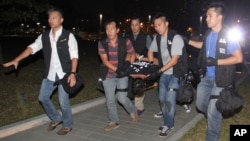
x: 13, y: 11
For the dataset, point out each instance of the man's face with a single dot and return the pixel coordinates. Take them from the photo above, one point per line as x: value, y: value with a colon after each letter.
x: 55, y: 19
x: 213, y: 19
x: 135, y: 26
x: 161, y: 26
x: 111, y: 30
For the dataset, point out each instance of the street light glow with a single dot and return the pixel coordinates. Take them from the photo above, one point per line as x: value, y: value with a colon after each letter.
x: 235, y: 34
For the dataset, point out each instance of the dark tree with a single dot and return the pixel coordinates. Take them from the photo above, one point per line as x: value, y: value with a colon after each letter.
x: 13, y: 12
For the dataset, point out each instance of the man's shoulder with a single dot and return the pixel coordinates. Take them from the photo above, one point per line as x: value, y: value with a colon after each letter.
x: 45, y: 33
x: 65, y: 31
x: 122, y: 39
x: 145, y: 34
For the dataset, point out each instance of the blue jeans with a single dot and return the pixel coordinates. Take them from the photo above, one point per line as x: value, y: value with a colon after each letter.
x: 205, y: 89
x: 110, y: 85
x: 167, y: 96
x: 46, y: 91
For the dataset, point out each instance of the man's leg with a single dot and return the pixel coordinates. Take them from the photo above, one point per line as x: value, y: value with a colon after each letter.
x: 47, y: 87
x: 139, y: 104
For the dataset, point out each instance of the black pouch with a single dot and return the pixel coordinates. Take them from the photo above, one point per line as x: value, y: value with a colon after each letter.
x: 72, y: 91
x: 229, y: 102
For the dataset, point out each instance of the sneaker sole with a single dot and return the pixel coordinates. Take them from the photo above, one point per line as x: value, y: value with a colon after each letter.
x: 167, y: 134
x: 157, y: 116
x: 188, y: 110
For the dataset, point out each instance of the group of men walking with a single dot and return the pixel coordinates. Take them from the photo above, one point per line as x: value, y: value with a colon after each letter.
x: 117, y: 53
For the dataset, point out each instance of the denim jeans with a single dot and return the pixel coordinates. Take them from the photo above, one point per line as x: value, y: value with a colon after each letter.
x: 110, y: 86
x: 167, y: 96
x: 46, y: 91
x: 205, y: 89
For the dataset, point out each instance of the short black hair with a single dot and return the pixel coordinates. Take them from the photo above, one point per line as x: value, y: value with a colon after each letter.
x: 135, y: 17
x: 56, y: 9
x: 110, y: 21
x: 160, y: 15
x: 220, y: 8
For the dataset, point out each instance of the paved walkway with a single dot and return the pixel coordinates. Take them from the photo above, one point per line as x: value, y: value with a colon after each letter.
x: 90, y: 118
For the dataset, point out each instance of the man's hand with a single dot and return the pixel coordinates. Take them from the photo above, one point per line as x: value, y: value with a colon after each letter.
x: 14, y: 63
x: 211, y: 61
x: 155, y: 75
x: 72, y: 80
x: 120, y: 73
x: 126, y: 65
x: 124, y: 70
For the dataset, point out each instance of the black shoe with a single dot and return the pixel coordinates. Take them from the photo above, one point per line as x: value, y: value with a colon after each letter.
x: 158, y: 115
x: 165, y: 131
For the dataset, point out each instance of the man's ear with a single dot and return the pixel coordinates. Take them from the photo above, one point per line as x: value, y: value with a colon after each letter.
x: 167, y: 23
x: 118, y: 30
x: 62, y: 19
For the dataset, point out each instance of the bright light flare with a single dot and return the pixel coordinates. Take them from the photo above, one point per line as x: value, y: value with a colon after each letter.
x: 235, y: 34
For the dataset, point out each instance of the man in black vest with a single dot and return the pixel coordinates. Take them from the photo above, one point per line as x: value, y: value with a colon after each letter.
x: 217, y: 57
x: 60, y: 50
x: 115, y: 53
x: 168, y: 82
x: 141, y: 42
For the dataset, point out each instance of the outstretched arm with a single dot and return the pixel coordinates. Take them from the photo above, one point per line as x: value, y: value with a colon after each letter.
x: 196, y: 44
x: 20, y: 57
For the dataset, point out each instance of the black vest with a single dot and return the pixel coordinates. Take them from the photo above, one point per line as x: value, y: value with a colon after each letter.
x: 122, y: 53
x: 140, y: 42
x: 181, y: 68
x: 224, y: 74
x: 62, y: 50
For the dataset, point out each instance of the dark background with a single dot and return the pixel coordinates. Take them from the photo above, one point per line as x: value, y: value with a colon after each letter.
x: 182, y: 13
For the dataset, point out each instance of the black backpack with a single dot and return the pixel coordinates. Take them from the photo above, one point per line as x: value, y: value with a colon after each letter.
x: 181, y: 68
x: 185, y: 94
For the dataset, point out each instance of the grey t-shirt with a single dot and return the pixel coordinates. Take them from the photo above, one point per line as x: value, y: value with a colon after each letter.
x: 177, y: 45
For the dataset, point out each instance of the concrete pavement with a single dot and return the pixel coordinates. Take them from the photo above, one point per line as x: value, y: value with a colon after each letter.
x: 90, y: 118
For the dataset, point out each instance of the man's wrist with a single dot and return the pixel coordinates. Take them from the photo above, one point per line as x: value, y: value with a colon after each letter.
x: 73, y: 73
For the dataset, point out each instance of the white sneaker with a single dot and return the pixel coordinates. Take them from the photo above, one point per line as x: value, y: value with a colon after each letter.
x: 158, y: 115
x: 187, y: 108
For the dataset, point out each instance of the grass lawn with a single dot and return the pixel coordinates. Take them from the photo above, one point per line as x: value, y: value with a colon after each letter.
x: 19, y: 94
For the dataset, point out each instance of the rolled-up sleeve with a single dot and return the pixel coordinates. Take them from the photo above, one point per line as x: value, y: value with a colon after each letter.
x: 73, y: 46
x: 37, y: 45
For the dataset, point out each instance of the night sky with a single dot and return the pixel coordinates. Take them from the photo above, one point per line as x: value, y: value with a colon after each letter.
x: 77, y: 10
